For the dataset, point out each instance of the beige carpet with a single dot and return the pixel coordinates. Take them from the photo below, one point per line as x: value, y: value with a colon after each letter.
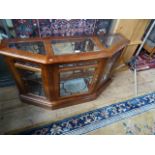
x: 143, y: 124
x: 15, y: 114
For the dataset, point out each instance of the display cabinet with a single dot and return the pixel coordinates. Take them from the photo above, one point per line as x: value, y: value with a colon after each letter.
x: 57, y: 72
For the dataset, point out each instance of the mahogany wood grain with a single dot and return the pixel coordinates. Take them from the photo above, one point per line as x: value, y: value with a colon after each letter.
x: 50, y: 67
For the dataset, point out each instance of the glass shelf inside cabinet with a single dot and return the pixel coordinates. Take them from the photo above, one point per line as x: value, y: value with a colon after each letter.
x: 61, y: 47
x: 76, y: 81
x: 33, y: 47
x: 110, y: 40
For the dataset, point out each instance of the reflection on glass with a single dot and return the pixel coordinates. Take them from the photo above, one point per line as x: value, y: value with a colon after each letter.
x: 32, y: 81
x: 110, y: 64
x: 61, y: 47
x: 33, y: 47
x: 75, y: 81
x: 74, y: 86
x: 110, y: 40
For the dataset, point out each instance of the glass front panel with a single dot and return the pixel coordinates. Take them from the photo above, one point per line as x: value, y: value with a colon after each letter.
x: 32, y: 81
x: 61, y: 47
x: 76, y: 81
x: 33, y: 47
x: 110, y: 40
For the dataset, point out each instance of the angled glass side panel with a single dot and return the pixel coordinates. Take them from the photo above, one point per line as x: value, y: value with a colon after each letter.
x: 32, y: 47
x: 110, y: 40
x: 110, y: 63
x: 32, y: 81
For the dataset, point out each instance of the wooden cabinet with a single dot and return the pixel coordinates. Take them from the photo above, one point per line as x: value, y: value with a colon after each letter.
x: 56, y: 72
x: 132, y: 29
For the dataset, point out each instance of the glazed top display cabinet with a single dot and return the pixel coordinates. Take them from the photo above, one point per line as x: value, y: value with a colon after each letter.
x: 56, y: 72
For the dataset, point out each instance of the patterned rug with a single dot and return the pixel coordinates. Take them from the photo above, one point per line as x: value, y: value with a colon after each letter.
x: 92, y: 120
x: 144, y: 61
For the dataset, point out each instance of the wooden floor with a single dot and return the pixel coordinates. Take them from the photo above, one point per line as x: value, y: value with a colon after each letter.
x: 16, y: 115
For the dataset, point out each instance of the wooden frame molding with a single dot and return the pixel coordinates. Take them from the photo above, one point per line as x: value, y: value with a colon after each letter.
x: 55, y: 81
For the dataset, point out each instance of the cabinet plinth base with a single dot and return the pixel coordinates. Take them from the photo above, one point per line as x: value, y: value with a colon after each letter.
x: 64, y: 102
x: 56, y: 72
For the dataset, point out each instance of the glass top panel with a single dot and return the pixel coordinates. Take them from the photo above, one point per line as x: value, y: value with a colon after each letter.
x: 33, y: 47
x: 61, y: 47
x: 110, y: 40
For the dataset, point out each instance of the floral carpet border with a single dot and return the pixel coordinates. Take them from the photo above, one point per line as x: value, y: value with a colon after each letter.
x: 92, y: 120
